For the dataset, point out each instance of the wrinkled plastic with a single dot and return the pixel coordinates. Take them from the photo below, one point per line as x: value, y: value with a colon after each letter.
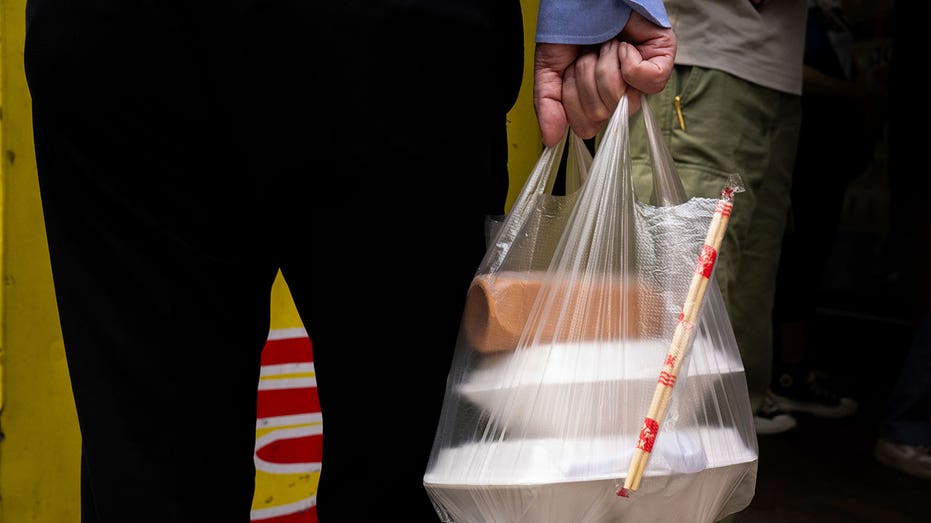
x: 564, y: 334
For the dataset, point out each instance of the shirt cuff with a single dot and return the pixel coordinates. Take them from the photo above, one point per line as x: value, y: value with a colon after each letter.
x: 585, y: 22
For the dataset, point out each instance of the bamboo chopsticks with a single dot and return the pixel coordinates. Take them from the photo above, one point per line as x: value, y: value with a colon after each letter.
x: 682, y: 337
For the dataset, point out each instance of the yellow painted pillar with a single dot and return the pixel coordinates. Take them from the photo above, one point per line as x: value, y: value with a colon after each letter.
x: 523, y: 132
x: 40, y: 453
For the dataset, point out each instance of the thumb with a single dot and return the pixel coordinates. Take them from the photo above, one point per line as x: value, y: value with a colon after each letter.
x: 648, y: 76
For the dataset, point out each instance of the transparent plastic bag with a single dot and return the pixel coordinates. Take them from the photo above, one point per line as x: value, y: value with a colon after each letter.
x: 566, y: 329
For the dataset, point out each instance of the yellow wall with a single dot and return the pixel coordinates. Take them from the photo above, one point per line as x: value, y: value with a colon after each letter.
x: 39, y: 457
x: 523, y: 133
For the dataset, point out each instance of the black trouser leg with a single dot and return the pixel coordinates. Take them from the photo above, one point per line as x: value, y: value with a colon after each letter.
x: 157, y: 261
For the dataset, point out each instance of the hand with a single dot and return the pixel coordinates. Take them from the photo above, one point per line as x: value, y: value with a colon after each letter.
x: 580, y: 86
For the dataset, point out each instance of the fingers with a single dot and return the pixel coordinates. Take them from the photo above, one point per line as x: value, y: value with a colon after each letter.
x: 580, y: 87
x: 647, y: 54
x: 592, y: 88
x: 550, y: 64
x: 610, y: 82
x: 648, y: 76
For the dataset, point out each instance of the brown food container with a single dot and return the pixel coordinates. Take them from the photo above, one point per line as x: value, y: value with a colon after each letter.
x: 498, y: 307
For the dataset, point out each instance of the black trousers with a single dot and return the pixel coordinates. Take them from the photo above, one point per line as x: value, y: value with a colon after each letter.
x: 187, y: 151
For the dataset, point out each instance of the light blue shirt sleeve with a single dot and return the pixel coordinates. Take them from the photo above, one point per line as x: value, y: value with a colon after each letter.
x: 586, y: 22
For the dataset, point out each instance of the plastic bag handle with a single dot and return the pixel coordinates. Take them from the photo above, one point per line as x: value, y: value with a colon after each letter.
x: 539, y: 183
x: 667, y: 186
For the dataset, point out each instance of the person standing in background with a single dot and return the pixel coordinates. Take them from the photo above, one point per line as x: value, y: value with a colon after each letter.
x: 188, y: 151
x: 904, y: 434
x: 903, y: 439
x: 843, y: 120
x: 732, y: 106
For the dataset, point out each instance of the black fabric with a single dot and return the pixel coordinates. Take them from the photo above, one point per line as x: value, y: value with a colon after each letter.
x: 186, y: 152
x: 836, y: 144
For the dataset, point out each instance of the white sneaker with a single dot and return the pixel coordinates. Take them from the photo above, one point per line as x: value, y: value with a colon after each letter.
x: 770, y: 418
x: 910, y: 459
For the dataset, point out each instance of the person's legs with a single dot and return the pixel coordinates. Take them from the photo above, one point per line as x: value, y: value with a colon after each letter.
x: 905, y: 432
x: 835, y: 147
x: 754, y: 291
x: 908, y: 419
x: 163, y: 302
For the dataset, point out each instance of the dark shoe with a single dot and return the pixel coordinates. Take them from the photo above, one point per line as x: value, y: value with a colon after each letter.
x: 770, y: 418
x: 810, y: 395
x: 910, y: 459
